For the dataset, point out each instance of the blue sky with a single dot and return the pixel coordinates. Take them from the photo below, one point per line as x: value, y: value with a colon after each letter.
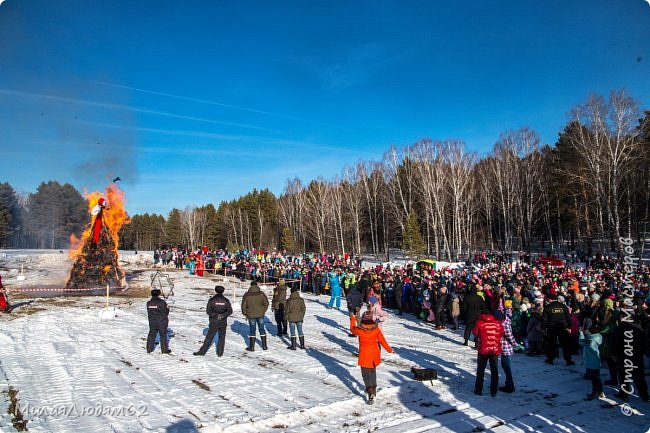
x: 198, y: 102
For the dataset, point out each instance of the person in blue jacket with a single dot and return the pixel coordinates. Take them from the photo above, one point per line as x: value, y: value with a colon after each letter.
x: 335, y: 290
x: 591, y: 339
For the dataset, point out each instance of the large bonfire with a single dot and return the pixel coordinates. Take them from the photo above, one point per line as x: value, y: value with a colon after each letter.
x: 95, y: 253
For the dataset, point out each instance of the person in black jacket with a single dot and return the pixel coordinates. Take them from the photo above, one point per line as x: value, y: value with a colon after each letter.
x: 556, y: 324
x: 157, y: 313
x: 355, y: 302
x: 474, y: 304
x: 218, y: 310
x: 629, y: 348
x: 440, y: 300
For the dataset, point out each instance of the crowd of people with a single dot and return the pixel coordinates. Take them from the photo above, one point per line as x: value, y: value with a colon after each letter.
x: 525, y: 306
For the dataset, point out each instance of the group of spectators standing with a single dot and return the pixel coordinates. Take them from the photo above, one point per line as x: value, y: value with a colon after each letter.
x: 506, y: 308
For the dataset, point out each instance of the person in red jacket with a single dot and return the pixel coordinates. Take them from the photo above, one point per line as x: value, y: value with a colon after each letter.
x: 5, y: 307
x: 369, y: 353
x: 488, y: 331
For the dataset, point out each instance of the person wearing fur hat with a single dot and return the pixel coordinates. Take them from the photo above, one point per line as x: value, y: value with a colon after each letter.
x: 278, y: 307
x: 370, y: 339
x: 295, y: 314
x: 254, y: 304
x: 158, y: 315
x: 218, y: 310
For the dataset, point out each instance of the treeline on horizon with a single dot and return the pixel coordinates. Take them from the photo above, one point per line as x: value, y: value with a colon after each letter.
x: 431, y: 198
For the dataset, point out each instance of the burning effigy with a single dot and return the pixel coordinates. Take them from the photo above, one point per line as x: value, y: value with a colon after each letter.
x: 95, y: 253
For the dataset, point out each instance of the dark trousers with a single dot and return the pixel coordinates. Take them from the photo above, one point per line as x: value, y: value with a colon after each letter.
x: 369, y: 376
x: 221, y: 342
x: 506, y: 364
x: 557, y: 338
x: 281, y: 321
x: 494, y: 373
x: 594, y: 375
x: 398, y: 302
x: 441, y: 316
x: 151, y: 338
x: 469, y: 325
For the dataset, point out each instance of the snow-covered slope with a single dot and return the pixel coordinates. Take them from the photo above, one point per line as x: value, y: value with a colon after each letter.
x: 72, y: 371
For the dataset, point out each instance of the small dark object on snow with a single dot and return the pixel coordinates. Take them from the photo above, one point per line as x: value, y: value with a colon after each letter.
x: 421, y: 374
x: 116, y: 179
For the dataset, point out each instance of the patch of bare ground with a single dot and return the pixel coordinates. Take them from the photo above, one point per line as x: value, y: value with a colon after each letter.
x: 201, y: 385
x: 17, y: 420
x: 134, y: 292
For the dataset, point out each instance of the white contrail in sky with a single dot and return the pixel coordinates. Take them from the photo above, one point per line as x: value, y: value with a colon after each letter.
x: 203, y: 101
x: 129, y: 108
x: 220, y: 104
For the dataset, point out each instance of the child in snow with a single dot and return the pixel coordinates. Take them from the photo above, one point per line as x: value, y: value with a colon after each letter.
x: 455, y: 309
x: 591, y: 340
x: 370, y: 338
x: 535, y: 333
x: 378, y: 313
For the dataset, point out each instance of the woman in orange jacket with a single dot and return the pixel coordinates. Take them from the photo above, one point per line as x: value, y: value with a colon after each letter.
x: 369, y: 352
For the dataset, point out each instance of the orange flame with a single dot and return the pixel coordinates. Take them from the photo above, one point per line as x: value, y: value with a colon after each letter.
x: 114, y: 217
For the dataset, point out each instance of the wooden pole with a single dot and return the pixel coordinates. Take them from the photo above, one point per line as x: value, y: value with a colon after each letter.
x: 107, y: 293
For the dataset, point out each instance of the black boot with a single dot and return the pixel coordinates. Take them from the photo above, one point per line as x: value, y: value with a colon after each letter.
x: 251, y: 344
x: 264, y: 346
x: 292, y: 346
x: 302, y: 343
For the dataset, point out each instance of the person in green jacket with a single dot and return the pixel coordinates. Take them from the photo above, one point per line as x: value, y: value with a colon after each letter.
x: 295, y: 314
x: 254, y: 305
x: 278, y: 306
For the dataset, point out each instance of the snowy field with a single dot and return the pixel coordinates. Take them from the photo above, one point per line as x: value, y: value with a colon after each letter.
x: 69, y: 370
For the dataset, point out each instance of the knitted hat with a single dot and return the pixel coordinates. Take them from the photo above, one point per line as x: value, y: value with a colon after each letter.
x: 366, y: 318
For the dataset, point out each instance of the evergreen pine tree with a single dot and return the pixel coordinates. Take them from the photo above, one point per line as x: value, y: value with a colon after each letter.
x: 287, y: 242
x: 413, y: 243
